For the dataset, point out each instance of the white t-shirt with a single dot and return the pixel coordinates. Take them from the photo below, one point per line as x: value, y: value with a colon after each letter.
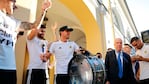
x: 35, y: 48
x: 63, y: 52
x: 144, y: 66
x: 8, y: 34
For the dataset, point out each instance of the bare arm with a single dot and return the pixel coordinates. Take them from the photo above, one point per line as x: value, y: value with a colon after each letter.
x: 48, y: 46
x: 54, y: 27
x: 141, y: 58
x: 38, y: 22
x: 144, y: 59
x: 31, y: 34
x: 133, y: 59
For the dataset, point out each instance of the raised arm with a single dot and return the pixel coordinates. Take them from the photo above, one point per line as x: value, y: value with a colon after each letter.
x: 26, y: 25
x: 54, y: 27
x: 32, y: 33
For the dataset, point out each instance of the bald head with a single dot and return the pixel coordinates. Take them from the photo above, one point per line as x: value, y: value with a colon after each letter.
x: 118, y: 44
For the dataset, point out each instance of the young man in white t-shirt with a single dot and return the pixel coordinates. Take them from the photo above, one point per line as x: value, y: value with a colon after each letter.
x: 142, y: 55
x: 9, y: 28
x: 37, y: 71
x: 63, y: 50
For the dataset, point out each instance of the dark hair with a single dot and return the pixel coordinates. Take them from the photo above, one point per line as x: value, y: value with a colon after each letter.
x: 134, y: 39
x: 63, y: 28
x: 98, y: 53
x: 109, y: 49
x: 128, y: 45
x: 43, y: 26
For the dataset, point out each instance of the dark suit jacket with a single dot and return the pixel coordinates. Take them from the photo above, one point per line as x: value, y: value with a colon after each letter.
x: 112, y: 69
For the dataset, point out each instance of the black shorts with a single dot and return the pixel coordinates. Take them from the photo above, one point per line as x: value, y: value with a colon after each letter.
x: 62, y: 79
x: 8, y: 77
x: 36, y: 76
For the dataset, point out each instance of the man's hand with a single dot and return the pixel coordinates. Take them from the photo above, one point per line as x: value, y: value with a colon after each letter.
x: 47, y: 4
x: 138, y: 58
x: 54, y: 27
x: 44, y: 57
x: 107, y: 82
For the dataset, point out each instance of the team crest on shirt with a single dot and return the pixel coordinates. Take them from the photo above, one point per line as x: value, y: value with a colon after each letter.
x: 145, y: 52
x: 60, y: 48
x: 70, y: 46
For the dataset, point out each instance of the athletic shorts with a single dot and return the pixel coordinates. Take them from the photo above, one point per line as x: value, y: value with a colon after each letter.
x: 36, y: 76
x: 8, y: 77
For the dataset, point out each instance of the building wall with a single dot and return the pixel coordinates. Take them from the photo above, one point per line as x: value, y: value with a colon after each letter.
x: 113, y: 18
x: 118, y: 23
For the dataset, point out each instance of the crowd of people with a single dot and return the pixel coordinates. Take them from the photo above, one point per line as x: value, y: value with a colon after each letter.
x: 122, y: 66
x: 133, y: 65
